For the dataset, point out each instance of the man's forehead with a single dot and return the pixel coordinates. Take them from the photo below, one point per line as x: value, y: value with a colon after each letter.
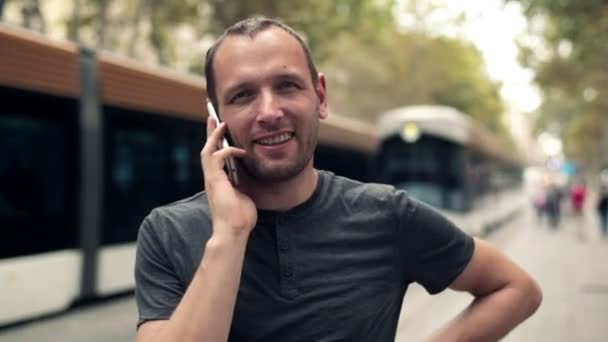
x: 268, y: 38
x: 242, y: 55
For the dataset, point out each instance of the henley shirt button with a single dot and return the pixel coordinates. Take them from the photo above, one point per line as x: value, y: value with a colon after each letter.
x: 287, y: 272
x: 283, y: 247
x: 292, y: 291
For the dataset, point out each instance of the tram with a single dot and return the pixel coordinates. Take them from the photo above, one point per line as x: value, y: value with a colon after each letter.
x: 448, y: 160
x: 89, y: 144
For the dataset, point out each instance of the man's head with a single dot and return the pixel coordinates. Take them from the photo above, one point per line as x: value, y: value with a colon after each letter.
x: 251, y: 27
x: 263, y: 83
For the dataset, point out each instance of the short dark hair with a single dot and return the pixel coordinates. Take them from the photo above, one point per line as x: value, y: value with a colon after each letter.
x: 251, y: 27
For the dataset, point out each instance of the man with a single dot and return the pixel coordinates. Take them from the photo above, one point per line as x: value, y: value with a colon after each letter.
x: 296, y: 254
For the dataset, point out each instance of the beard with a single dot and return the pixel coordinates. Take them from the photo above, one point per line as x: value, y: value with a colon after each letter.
x: 270, y: 172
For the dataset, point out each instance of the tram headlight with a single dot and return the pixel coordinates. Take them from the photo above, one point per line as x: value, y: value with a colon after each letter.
x: 410, y: 132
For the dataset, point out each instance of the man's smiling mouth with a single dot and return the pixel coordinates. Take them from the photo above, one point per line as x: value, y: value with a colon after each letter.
x: 276, y: 139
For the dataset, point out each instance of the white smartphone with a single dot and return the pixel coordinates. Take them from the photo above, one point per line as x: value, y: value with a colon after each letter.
x: 230, y: 162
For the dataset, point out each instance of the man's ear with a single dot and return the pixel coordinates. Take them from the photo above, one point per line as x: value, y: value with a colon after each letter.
x: 321, y: 90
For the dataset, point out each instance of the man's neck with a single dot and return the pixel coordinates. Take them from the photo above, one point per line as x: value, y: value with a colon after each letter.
x: 285, y: 195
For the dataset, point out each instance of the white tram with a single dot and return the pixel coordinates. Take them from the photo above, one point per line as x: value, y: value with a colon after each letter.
x: 446, y: 159
x: 89, y: 144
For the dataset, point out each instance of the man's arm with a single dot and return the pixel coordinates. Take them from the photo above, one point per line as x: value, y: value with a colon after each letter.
x: 505, y: 295
x: 205, y: 311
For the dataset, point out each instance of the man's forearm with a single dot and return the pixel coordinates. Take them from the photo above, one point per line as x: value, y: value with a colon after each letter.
x: 206, y: 309
x: 491, y: 317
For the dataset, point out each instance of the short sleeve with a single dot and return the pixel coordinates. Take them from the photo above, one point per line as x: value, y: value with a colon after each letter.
x: 158, y: 289
x: 434, y: 250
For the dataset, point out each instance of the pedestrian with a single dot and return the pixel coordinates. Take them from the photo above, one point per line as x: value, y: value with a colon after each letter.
x: 539, y: 201
x: 602, y: 208
x: 292, y: 253
x: 578, y: 193
x: 553, y: 206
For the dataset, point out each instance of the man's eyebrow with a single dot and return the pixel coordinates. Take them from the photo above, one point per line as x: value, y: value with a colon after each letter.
x: 231, y: 89
x: 283, y: 75
x: 287, y: 74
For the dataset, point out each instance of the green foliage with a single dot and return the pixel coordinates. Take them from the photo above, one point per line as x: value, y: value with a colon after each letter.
x: 408, y: 69
x: 320, y: 21
x: 32, y: 16
x: 466, y: 85
x: 116, y: 25
x: 573, y: 75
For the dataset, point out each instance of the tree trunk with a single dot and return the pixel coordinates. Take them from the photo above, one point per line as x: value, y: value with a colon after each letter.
x: 157, y: 39
x: 103, y: 18
x: 39, y: 16
x: 139, y: 10
x: 74, y: 23
x: 32, y: 16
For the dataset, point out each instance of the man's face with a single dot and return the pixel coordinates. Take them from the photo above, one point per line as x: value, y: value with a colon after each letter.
x: 267, y: 98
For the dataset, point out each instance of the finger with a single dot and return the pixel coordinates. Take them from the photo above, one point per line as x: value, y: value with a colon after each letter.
x: 216, y: 170
x: 214, y: 136
x: 229, y: 152
x: 213, y: 165
x: 211, y: 125
x: 217, y: 161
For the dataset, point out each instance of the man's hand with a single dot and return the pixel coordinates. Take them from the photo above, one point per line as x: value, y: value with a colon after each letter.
x: 206, y: 309
x: 233, y: 213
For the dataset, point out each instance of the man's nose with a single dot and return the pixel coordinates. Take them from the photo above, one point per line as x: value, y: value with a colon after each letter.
x: 269, y: 109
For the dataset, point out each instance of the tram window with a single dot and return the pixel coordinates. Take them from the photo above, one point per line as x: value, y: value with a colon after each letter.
x: 150, y: 161
x: 432, y: 170
x: 481, y: 171
x: 37, y: 168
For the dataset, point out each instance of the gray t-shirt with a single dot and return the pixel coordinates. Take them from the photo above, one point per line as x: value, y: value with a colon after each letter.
x: 334, y: 268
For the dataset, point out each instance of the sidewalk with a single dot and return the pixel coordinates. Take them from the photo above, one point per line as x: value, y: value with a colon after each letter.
x: 571, y: 265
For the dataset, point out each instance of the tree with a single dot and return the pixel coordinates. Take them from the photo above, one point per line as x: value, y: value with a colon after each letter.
x: 164, y: 16
x: 118, y: 26
x: 32, y: 16
x: 73, y: 24
x: 96, y: 15
x: 103, y: 21
x: 411, y: 68
x: 322, y: 22
x: 572, y: 72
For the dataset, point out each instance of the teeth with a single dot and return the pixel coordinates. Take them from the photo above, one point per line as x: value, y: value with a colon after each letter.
x: 277, y: 139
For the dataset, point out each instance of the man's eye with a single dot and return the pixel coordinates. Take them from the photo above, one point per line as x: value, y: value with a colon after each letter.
x: 287, y: 85
x: 240, y: 96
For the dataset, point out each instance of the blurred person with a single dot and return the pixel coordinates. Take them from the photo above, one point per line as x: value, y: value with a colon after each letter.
x: 553, y: 205
x: 602, y: 208
x: 578, y: 193
x: 539, y: 201
x: 292, y: 253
